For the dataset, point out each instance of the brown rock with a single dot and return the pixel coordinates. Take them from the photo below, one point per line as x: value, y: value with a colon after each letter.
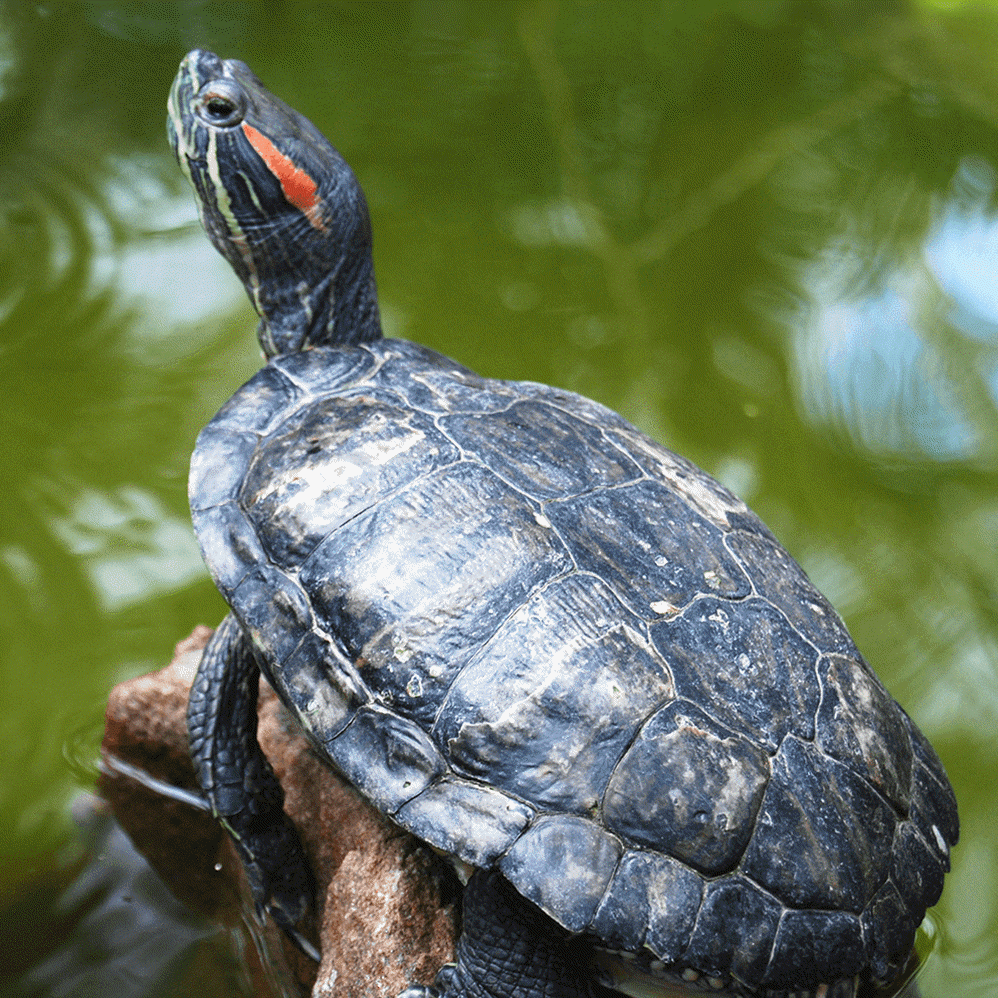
x: 382, y: 920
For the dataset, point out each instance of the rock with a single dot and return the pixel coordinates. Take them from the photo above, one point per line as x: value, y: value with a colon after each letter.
x: 382, y: 911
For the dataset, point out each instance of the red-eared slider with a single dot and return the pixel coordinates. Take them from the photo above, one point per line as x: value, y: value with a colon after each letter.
x: 529, y: 634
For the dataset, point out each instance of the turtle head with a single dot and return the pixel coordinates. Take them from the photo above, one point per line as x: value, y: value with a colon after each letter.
x: 278, y: 202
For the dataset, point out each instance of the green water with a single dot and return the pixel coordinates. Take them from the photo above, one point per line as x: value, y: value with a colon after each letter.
x: 766, y: 232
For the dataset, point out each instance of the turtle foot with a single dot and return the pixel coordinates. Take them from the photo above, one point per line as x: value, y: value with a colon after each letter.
x: 240, y: 785
x: 510, y: 949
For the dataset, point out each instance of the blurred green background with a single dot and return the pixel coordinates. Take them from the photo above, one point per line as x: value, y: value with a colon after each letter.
x: 764, y: 231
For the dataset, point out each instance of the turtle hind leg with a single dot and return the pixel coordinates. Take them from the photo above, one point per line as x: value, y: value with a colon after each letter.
x: 510, y: 949
x: 240, y: 785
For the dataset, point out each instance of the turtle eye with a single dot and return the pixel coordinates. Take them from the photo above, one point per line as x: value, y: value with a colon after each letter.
x: 221, y: 104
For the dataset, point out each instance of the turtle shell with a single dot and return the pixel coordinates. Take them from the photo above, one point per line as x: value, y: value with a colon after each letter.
x: 541, y: 641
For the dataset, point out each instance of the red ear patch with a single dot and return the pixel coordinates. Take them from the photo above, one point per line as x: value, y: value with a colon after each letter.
x: 298, y: 187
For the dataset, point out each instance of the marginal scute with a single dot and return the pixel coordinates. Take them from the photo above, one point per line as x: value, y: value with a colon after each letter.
x: 688, y: 787
x: 440, y: 387
x: 716, y: 947
x: 585, y: 409
x: 915, y: 870
x: 847, y: 826
x: 273, y: 611
x: 888, y: 925
x: 652, y: 901
x: 265, y: 398
x: 319, y: 370
x: 389, y: 759
x: 860, y: 724
x: 707, y: 497
x: 218, y: 465
x: 563, y: 864
x: 816, y: 946
x: 229, y: 545
x: 321, y: 687
x: 933, y: 803
x: 472, y: 822
x: 783, y: 582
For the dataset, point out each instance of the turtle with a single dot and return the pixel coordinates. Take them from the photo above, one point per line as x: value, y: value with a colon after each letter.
x: 544, y: 644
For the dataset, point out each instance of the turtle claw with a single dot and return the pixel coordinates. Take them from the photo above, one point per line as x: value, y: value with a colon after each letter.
x: 448, y: 984
x: 284, y: 893
x: 303, y: 944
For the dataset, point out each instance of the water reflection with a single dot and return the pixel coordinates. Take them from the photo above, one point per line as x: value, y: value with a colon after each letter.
x: 126, y: 934
x: 904, y: 361
x: 169, y: 274
x: 133, y: 548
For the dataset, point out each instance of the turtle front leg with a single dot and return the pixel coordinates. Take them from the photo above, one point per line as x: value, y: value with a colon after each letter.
x: 240, y: 785
x: 510, y: 949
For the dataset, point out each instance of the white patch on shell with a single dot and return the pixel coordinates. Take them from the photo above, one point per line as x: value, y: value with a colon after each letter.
x: 714, y: 504
x: 664, y: 608
x: 940, y: 841
x: 542, y: 520
x: 720, y: 618
x: 322, y: 478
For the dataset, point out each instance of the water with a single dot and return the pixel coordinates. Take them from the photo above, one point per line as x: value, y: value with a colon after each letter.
x: 766, y: 232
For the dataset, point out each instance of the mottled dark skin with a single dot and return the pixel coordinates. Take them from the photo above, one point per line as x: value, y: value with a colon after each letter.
x: 529, y: 634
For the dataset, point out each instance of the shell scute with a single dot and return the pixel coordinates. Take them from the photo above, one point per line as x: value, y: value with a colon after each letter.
x: 888, y: 926
x: 784, y: 583
x: 417, y: 584
x: 273, y: 610
x: 439, y: 386
x: 321, y: 370
x: 746, y: 665
x: 322, y: 687
x: 715, y: 949
x: 218, y: 465
x: 933, y: 803
x: 577, y: 678
x: 526, y: 444
x: 816, y: 946
x: 704, y: 496
x: 265, y: 399
x: 811, y: 798
x: 229, y: 545
x: 387, y: 758
x: 688, y: 787
x: 859, y: 724
x: 475, y: 823
x: 649, y: 545
x: 330, y: 461
x: 584, y: 409
x: 915, y: 869
x: 563, y: 864
x: 652, y: 901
